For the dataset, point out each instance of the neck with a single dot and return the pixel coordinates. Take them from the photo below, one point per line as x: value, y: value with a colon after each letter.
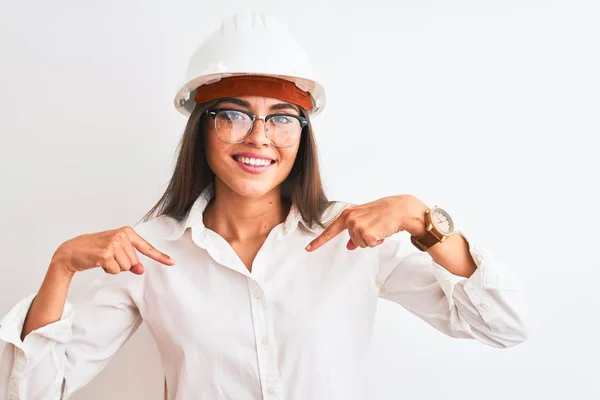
x: 238, y: 218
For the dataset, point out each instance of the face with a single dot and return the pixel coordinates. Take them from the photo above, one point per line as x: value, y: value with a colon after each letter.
x: 255, y: 166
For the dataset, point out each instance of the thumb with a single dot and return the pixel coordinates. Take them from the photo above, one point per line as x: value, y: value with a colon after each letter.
x: 137, y: 269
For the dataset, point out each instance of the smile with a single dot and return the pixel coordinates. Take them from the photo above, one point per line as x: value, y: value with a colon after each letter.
x: 255, y: 162
x: 253, y: 165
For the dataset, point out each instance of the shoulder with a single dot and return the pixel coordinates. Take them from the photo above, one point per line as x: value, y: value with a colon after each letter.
x: 157, y: 228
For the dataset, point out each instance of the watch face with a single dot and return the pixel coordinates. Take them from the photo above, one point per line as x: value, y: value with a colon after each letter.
x: 442, y: 221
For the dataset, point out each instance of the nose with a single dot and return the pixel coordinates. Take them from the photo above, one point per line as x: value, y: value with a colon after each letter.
x: 258, y: 136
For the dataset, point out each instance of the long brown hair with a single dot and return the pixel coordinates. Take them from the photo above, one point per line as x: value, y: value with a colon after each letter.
x: 192, y: 175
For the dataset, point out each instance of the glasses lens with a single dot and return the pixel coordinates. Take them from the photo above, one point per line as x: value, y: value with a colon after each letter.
x: 232, y: 126
x: 283, y: 130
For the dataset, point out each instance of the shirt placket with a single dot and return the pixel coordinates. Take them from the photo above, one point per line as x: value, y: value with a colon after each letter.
x: 265, y: 343
x: 17, y: 372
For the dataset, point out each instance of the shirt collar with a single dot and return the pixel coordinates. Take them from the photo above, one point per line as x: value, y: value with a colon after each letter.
x: 194, y: 218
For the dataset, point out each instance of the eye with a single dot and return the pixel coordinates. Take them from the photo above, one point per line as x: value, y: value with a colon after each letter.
x: 283, y: 119
x: 230, y: 115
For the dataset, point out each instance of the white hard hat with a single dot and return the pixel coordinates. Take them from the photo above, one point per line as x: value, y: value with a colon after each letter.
x: 249, y: 44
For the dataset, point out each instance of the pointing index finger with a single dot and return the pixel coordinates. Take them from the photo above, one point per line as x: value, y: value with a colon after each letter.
x: 147, y: 249
x: 337, y: 227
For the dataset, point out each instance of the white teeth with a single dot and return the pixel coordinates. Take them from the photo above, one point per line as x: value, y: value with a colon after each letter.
x: 254, y: 161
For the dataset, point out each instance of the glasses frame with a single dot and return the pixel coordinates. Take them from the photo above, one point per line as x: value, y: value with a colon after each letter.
x: 265, y: 118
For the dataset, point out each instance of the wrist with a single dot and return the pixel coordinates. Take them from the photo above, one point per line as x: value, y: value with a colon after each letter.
x: 60, y: 270
x: 414, y: 217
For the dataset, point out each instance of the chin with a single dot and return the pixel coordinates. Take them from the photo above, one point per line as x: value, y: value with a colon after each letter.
x: 253, y: 189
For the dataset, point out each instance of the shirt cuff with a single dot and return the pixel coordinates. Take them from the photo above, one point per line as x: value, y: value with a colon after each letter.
x: 448, y: 280
x: 38, y: 342
x: 482, y: 286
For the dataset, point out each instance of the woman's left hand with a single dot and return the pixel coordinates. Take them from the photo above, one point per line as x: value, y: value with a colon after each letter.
x: 371, y: 223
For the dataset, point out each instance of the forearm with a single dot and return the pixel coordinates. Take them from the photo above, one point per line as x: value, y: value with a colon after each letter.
x: 453, y: 254
x: 48, y: 305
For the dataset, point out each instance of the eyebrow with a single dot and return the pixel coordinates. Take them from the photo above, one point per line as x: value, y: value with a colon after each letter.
x: 244, y: 103
x: 285, y: 106
x: 234, y: 100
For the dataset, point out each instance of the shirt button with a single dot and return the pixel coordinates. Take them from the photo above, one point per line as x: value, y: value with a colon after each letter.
x: 271, y: 390
x: 265, y: 341
x: 483, y: 306
x: 257, y: 294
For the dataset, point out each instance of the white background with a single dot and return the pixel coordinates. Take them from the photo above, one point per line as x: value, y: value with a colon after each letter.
x: 489, y: 109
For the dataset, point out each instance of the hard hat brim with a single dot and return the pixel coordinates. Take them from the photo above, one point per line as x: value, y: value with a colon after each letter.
x: 184, y: 99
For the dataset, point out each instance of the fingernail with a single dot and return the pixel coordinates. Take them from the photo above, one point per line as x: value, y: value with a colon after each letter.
x: 308, y: 247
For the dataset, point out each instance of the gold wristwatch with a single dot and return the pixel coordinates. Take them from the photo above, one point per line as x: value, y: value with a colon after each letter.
x: 438, y: 226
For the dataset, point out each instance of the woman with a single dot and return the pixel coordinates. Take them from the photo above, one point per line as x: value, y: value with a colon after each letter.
x: 270, y: 297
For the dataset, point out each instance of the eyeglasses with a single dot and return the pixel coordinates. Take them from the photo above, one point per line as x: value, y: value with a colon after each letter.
x: 234, y: 126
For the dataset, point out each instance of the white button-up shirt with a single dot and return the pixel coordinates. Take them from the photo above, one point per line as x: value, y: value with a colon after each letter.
x: 297, y: 327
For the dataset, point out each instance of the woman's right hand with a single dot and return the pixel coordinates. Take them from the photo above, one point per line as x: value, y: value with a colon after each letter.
x: 114, y: 251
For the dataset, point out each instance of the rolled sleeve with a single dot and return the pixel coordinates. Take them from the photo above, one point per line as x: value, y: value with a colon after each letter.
x: 33, y: 351
x: 58, y: 359
x: 488, y: 306
x: 38, y: 340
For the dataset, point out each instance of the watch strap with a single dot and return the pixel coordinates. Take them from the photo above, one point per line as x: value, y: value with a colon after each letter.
x: 426, y: 241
